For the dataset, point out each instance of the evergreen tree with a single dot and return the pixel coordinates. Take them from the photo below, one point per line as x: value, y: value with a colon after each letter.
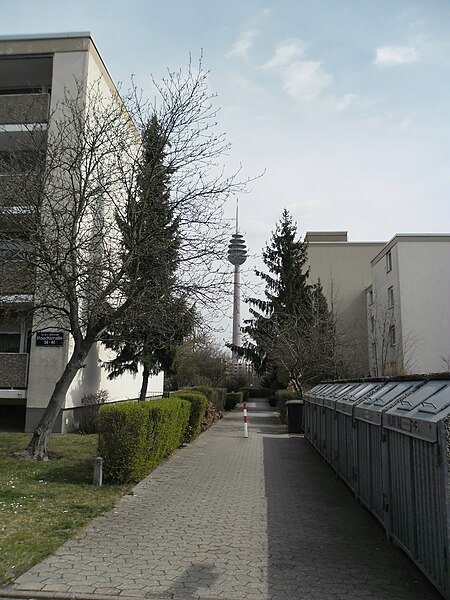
x: 142, y: 338
x: 291, y: 331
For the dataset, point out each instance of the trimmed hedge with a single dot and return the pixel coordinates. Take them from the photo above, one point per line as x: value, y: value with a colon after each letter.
x: 198, y: 405
x: 135, y: 436
x: 260, y: 392
x: 233, y: 399
x: 282, y: 396
x: 214, y: 395
x: 245, y: 394
x: 221, y: 398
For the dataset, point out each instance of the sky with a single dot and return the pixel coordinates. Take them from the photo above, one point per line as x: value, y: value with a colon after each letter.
x: 344, y: 105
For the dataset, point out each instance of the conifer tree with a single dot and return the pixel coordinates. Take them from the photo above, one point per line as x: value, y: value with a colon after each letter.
x: 142, y: 339
x: 290, y: 335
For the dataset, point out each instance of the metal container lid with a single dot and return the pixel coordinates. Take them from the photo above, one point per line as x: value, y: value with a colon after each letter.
x: 372, y: 407
x: 342, y: 390
x: 322, y: 393
x: 417, y: 415
x: 345, y: 403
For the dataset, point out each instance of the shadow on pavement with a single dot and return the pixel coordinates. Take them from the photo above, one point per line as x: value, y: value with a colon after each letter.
x: 186, y: 586
x: 321, y: 542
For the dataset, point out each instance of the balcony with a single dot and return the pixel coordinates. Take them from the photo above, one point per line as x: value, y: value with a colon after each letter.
x: 24, y: 109
x: 16, y: 277
x: 13, y: 370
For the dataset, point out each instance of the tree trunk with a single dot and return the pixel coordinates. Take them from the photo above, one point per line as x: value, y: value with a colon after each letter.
x: 145, y: 376
x: 38, y: 446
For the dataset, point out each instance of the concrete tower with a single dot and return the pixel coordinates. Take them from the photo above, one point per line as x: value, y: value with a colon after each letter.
x: 237, y: 255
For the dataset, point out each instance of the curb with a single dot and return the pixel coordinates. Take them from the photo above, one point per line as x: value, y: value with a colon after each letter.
x: 12, y: 594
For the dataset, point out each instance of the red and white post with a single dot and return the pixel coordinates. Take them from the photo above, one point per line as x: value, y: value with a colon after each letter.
x: 245, y: 420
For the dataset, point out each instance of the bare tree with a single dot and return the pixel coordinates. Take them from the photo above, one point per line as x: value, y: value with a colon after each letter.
x: 201, y: 361
x: 80, y: 181
x: 389, y: 354
x: 304, y: 346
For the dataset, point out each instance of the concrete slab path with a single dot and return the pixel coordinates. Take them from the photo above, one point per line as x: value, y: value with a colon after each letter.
x: 230, y: 518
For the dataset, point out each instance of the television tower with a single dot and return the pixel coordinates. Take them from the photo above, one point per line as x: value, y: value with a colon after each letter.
x: 237, y: 255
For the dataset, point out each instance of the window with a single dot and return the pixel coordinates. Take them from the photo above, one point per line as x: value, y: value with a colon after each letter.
x: 372, y: 323
x: 391, y: 297
x: 392, y: 339
x: 370, y: 297
x: 388, y: 262
x: 9, y: 342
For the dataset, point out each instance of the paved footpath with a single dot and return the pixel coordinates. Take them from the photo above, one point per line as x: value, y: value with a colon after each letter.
x: 230, y: 518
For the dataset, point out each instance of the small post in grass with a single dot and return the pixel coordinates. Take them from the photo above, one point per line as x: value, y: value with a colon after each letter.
x: 245, y: 420
x: 98, y: 471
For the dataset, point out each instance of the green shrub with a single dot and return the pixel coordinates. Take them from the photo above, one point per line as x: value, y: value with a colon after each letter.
x: 135, y: 436
x: 281, y: 397
x: 272, y: 401
x: 206, y: 390
x: 214, y: 395
x: 245, y: 394
x: 260, y: 392
x: 198, y: 405
x: 233, y: 399
x: 221, y: 398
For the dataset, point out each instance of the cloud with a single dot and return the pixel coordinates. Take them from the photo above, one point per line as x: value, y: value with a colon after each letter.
x: 341, y: 104
x: 393, y: 56
x: 284, y: 54
x: 305, y: 80
x: 243, y: 43
x: 302, y: 79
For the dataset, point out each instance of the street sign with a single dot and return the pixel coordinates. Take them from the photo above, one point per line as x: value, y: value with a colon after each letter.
x: 49, y: 338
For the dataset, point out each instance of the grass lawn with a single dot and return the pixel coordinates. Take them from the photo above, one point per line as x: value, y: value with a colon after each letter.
x: 42, y: 504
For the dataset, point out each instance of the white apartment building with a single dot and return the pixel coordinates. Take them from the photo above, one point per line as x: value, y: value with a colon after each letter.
x: 409, y: 306
x: 391, y: 300
x: 35, y: 74
x: 343, y: 268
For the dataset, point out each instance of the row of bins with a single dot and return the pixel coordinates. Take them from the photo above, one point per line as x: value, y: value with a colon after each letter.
x: 388, y: 441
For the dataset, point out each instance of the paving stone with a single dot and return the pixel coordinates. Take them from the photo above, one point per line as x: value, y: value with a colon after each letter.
x: 231, y: 518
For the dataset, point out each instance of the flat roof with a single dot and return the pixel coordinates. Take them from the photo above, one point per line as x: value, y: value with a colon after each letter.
x: 46, y: 36
x: 49, y: 43
x: 410, y: 237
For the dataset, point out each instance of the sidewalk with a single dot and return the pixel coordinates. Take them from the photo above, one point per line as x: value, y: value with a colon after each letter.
x: 261, y: 518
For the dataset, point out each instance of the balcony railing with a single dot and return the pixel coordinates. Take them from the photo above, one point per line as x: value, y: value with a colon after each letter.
x: 16, y: 277
x: 24, y: 108
x: 13, y: 370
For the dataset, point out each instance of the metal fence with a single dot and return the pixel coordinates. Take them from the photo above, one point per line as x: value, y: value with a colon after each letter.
x: 388, y: 440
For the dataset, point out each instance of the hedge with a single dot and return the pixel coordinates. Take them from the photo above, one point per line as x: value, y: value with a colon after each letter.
x: 198, y: 405
x: 245, y: 394
x: 282, y: 396
x: 216, y: 396
x: 135, y: 436
x: 260, y: 392
x: 233, y: 399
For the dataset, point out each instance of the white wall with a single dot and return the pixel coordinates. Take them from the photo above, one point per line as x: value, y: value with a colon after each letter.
x: 344, y: 271
x: 384, y: 357
x: 424, y: 272
x: 94, y: 377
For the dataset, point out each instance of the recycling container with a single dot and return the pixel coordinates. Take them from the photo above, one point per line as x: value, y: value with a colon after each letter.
x: 295, y: 416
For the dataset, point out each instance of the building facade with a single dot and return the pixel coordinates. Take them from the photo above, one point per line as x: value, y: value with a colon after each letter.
x: 36, y: 74
x: 343, y: 268
x: 391, y: 300
x: 408, y: 306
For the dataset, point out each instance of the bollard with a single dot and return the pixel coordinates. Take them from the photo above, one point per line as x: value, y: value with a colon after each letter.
x: 98, y: 471
x: 245, y: 421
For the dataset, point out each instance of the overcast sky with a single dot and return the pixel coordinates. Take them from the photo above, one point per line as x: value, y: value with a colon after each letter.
x: 345, y: 104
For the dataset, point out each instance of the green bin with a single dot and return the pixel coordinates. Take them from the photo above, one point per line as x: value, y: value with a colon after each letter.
x: 294, y: 416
